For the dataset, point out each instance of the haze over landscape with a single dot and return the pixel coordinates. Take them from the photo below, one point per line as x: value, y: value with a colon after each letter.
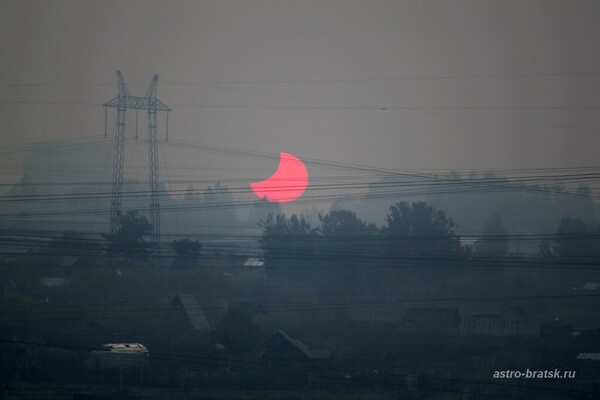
x: 449, y: 198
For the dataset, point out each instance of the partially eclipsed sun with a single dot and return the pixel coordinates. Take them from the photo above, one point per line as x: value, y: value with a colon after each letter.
x: 286, y: 184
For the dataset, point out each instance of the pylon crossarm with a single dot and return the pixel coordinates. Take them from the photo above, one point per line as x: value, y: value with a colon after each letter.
x: 137, y: 103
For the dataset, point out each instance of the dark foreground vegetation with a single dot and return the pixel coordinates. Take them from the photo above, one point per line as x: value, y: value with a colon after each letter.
x: 342, y: 310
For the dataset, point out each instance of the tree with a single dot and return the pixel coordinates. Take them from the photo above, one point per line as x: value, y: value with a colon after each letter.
x: 128, y: 240
x: 344, y: 240
x: 344, y: 235
x: 420, y: 234
x: 288, y: 244
x: 493, y: 241
x: 344, y: 223
x: 188, y: 252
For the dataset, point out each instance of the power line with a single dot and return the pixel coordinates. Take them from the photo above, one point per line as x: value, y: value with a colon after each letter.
x: 281, y: 368
x: 374, y: 107
x: 162, y: 311
x: 334, y: 80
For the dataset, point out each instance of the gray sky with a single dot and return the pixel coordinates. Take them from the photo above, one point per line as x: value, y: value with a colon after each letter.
x: 407, y: 85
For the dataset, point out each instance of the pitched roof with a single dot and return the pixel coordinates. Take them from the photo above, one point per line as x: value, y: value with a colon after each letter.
x: 589, y: 356
x: 54, y: 281
x: 254, y: 262
x: 192, y: 309
x: 119, y: 355
x: 280, y: 337
x: 125, y: 347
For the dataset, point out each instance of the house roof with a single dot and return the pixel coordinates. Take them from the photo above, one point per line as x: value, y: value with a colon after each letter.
x: 589, y: 356
x: 125, y: 347
x: 118, y: 355
x: 192, y: 309
x: 280, y: 337
x: 254, y: 262
x: 54, y: 281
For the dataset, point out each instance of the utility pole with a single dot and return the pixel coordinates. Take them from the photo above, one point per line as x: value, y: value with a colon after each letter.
x: 153, y: 181
x: 117, y: 178
x: 152, y: 105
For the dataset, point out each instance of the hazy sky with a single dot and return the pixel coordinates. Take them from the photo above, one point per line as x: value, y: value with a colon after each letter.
x: 396, y: 84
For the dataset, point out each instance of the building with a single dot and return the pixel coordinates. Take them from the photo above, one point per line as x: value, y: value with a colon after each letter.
x: 252, y: 268
x: 282, y: 348
x: 128, y: 360
x: 592, y: 286
x: 513, y: 321
x: 188, y: 303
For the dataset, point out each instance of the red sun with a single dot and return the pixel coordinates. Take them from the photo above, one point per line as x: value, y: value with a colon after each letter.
x: 286, y: 184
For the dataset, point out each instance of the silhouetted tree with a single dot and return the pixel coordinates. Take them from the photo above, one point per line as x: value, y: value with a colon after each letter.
x: 418, y: 233
x: 344, y: 223
x: 288, y: 244
x: 128, y: 240
x: 344, y: 241
x: 188, y: 252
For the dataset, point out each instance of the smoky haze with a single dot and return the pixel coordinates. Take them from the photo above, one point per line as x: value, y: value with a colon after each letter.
x: 401, y: 85
x: 448, y: 233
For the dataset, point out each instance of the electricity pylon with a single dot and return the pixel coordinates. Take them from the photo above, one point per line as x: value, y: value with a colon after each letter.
x: 152, y: 105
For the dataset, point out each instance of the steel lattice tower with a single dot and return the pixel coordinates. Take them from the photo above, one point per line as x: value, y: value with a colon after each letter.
x: 152, y: 105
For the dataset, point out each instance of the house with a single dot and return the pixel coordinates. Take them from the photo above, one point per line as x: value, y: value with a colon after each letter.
x: 252, y: 268
x: 247, y: 266
x: 54, y: 281
x: 592, y: 286
x: 188, y: 303
x: 129, y: 360
x: 513, y: 321
x: 282, y: 348
x: 587, y: 366
x: 589, y: 356
x: 445, y: 321
x: 120, y: 356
